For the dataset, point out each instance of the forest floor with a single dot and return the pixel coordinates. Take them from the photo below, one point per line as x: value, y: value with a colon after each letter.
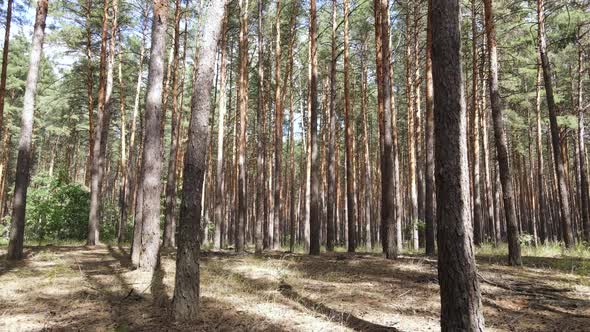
x: 70, y: 288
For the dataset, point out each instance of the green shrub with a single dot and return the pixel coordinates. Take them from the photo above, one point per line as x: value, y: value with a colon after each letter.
x: 56, y: 210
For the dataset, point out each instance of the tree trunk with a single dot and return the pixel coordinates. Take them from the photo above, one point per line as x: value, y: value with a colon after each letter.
x: 17, y: 228
x: 477, y: 206
x: 243, y: 110
x: 500, y: 139
x: 331, y: 203
x: 97, y: 163
x: 169, y: 240
x: 314, y: 215
x: 278, y: 139
x: 368, y: 194
x: 461, y: 308
x: 388, y: 203
x: 564, y: 205
x: 292, y: 37
x: 430, y: 203
x: 186, y: 291
x: 540, y: 164
x: 260, y: 119
x: 123, y: 113
x: 585, y: 206
x: 152, y: 146
x: 90, y: 92
x: 350, y: 192
x: 5, y: 66
x: 412, y: 127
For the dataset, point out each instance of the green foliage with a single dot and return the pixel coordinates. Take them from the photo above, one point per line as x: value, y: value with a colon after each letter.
x: 56, y: 210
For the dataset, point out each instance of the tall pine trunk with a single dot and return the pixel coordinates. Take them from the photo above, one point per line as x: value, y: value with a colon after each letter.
x: 348, y: 139
x: 5, y: 49
x: 186, y: 290
x: 260, y: 119
x: 388, y: 202
x: 243, y: 111
x: 331, y: 203
x: 564, y: 205
x: 500, y: 139
x: 314, y: 213
x: 152, y: 145
x: 169, y: 240
x: 97, y: 163
x: 23, y: 164
x: 461, y: 308
x: 278, y: 133
x: 430, y: 199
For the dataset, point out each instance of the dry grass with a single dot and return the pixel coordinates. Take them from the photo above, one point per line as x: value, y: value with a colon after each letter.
x: 63, y: 288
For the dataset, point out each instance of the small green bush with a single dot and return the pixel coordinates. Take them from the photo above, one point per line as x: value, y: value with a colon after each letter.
x: 56, y: 210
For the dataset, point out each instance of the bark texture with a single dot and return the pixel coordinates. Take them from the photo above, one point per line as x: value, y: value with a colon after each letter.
x: 23, y: 163
x: 186, y: 290
x: 461, y: 308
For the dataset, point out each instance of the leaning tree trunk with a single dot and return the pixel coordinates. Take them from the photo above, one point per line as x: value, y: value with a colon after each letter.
x: 186, y: 290
x: 96, y: 162
x: 500, y: 139
x: 564, y: 205
x: 17, y: 228
x: 152, y: 145
x: 461, y: 308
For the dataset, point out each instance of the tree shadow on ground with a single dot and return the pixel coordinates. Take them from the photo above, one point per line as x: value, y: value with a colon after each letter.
x: 344, y: 318
x: 288, y: 293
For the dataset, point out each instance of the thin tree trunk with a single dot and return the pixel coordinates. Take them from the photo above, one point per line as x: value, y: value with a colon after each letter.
x: 412, y: 127
x: 89, y: 91
x: 368, y: 194
x: 17, y: 228
x: 477, y: 208
x: 564, y: 205
x: 4, y: 67
x: 186, y: 291
x: 97, y: 161
x: 430, y: 199
x: 169, y: 240
x: 501, y: 141
x: 261, y: 147
x: 540, y: 164
x: 348, y: 139
x: 123, y: 113
x: 243, y: 110
x: 461, y: 308
x: 278, y: 139
x: 331, y: 204
x: 585, y: 206
x: 314, y: 215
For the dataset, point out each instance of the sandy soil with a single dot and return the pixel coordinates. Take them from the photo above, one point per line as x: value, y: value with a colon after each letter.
x: 66, y: 288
